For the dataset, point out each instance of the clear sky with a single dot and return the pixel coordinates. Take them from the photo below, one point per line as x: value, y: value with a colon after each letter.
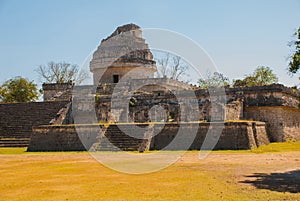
x: 238, y: 35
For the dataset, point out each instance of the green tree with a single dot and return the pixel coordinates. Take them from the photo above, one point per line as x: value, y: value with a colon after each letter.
x: 18, y: 90
x: 294, y: 63
x: 214, y: 80
x: 61, y: 72
x: 262, y: 75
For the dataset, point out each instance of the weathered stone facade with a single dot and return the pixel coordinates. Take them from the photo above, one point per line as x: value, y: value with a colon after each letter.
x: 283, y: 122
x: 57, y: 91
x: 122, y: 52
x: 275, y: 105
x: 235, y: 135
x: 126, y: 96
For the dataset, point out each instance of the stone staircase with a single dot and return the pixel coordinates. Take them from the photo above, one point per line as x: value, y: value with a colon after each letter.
x: 14, y: 142
x: 17, y: 120
x: 115, y: 139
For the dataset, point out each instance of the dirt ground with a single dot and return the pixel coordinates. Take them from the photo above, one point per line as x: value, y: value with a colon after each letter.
x: 273, y: 171
x: 222, y: 175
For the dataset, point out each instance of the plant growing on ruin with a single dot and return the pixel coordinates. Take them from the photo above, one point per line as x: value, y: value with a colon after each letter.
x: 18, y: 90
x: 61, y: 72
x: 97, y: 98
x: 132, y: 102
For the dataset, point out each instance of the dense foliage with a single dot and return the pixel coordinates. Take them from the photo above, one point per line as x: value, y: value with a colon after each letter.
x: 18, y: 90
x: 262, y: 75
x: 294, y: 64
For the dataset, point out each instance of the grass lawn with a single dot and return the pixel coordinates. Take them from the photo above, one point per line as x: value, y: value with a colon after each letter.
x: 268, y: 173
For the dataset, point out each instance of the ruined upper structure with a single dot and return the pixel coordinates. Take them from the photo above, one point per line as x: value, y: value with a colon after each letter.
x: 154, y: 100
x: 123, y: 51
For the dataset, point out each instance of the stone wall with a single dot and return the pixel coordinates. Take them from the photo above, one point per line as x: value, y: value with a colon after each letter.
x: 57, y: 91
x: 283, y: 123
x: 55, y: 138
x: 123, y: 72
x: 152, y: 85
x: 242, y: 103
x: 17, y: 119
x: 234, y: 110
x: 270, y: 95
x: 235, y: 135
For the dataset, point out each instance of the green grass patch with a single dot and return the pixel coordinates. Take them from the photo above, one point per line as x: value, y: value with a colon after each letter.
x: 278, y: 147
x: 272, y: 147
x: 23, y: 150
x: 13, y: 150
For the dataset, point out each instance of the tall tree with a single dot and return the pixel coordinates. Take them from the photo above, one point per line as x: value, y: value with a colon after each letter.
x: 214, y: 80
x: 170, y: 66
x: 61, y: 72
x: 262, y: 75
x: 18, y: 90
x: 294, y: 63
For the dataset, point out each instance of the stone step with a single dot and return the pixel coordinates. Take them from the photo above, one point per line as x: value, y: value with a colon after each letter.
x: 114, y: 144
x: 8, y: 137
x: 110, y: 149
x: 120, y: 147
x: 115, y: 139
x: 14, y: 142
x: 123, y: 136
x: 13, y: 145
x: 123, y: 143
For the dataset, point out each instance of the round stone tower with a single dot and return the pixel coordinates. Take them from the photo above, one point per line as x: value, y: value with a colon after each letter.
x: 121, y: 52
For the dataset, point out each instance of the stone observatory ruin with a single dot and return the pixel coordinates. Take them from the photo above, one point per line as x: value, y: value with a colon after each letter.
x: 129, y: 109
x: 123, y: 51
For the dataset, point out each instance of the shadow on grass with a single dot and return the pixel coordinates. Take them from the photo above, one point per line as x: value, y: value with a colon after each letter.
x: 281, y: 182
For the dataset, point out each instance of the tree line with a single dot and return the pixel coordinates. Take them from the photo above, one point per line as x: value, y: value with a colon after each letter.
x: 262, y: 75
x: 20, y: 89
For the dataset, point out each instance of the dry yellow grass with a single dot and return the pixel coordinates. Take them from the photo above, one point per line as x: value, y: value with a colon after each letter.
x: 77, y: 176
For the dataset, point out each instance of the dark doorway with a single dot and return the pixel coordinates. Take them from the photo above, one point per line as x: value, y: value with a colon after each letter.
x: 116, y: 78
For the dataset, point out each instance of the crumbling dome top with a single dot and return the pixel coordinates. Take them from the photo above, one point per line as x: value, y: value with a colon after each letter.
x: 123, y: 29
x: 124, y: 47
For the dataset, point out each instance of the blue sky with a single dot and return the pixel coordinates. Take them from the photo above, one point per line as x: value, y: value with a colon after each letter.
x: 238, y: 35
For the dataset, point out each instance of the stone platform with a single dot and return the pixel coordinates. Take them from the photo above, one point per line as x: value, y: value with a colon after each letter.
x: 114, y: 137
